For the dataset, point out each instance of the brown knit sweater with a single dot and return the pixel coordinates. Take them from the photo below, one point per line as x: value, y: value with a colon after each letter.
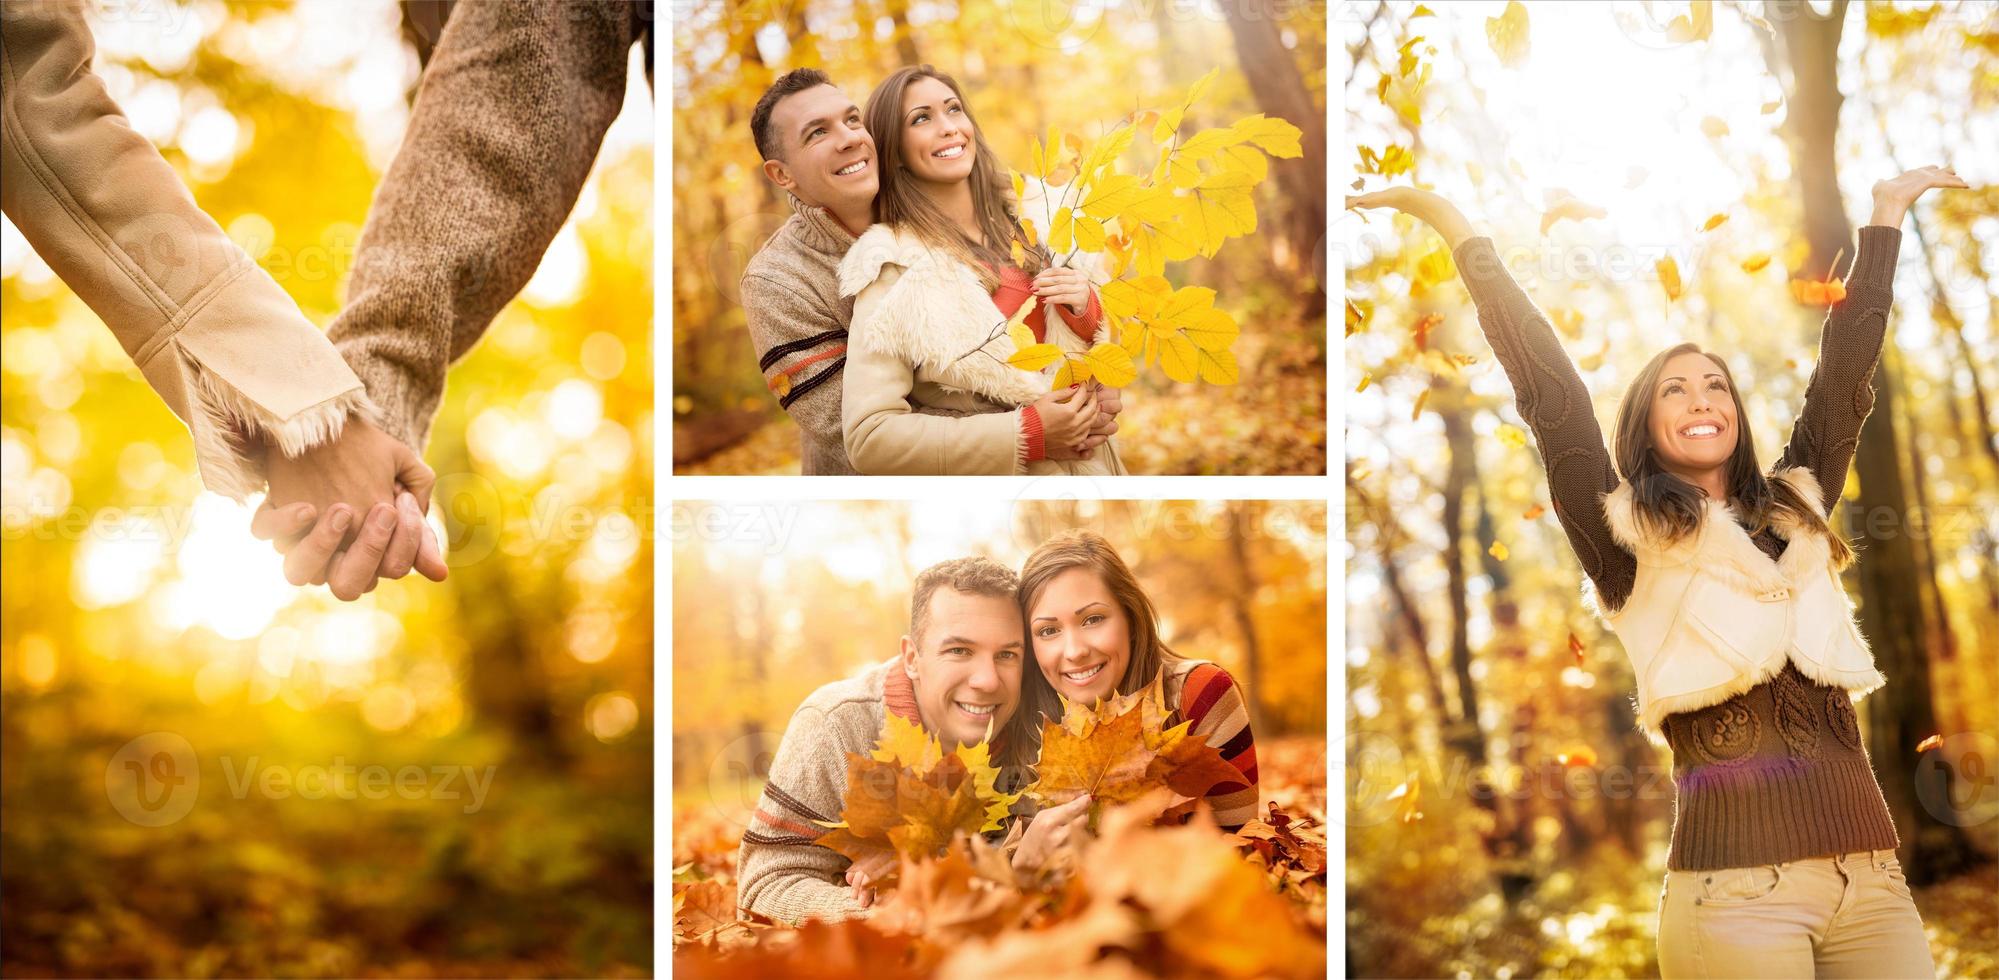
x: 1778, y: 772
x: 506, y: 126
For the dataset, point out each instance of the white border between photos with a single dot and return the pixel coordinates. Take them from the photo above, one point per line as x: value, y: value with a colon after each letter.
x: 668, y: 489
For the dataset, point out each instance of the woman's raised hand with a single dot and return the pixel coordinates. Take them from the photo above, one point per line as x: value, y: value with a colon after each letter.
x: 1050, y: 831
x: 1426, y: 206
x: 1892, y: 197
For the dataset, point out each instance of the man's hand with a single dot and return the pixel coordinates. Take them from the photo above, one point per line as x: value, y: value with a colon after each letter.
x: 863, y: 874
x: 350, y: 511
x: 1894, y: 196
x: 1067, y: 416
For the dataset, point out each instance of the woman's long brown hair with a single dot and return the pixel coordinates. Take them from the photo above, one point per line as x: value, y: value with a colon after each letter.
x: 901, y: 203
x: 1671, y: 507
x: 1078, y: 548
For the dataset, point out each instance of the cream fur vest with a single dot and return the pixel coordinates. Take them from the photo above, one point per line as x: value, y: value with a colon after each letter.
x: 1711, y: 616
x: 934, y: 311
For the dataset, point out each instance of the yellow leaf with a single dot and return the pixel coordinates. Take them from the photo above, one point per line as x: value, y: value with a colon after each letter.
x: 1064, y: 376
x: 1569, y: 207
x: 1421, y: 397
x: 1420, y: 11
x: 1755, y: 263
x: 1512, y: 436
x: 1112, y: 194
x: 1770, y: 107
x: 1033, y: 237
x: 1018, y: 254
x: 1355, y: 318
x: 1714, y: 222
x: 1218, y: 367
x: 1089, y: 234
x: 905, y: 743
x: 1019, y: 186
x: 1813, y: 292
x: 1533, y: 513
x: 1037, y: 160
x: 1179, y: 358
x: 1021, y: 334
x: 1210, y: 329
x: 1669, y: 277
x: 1507, y: 33
x: 1169, y: 123
x: 1062, y: 236
x: 1034, y: 357
x: 1276, y: 137
x: 1694, y: 25
x: 1200, y: 86
x: 1365, y: 380
x: 1111, y: 365
x: 1714, y: 127
x: 1435, y: 267
x: 1498, y: 550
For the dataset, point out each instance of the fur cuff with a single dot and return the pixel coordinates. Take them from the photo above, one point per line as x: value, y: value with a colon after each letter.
x: 230, y: 429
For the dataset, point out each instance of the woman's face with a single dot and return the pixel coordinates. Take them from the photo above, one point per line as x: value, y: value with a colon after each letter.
x: 1082, y: 637
x: 936, y: 134
x: 1693, y: 422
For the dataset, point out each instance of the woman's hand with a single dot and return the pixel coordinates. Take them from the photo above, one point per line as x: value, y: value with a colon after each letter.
x: 1067, y: 416
x: 863, y: 874
x: 1892, y: 197
x: 1056, y: 284
x: 1048, y: 832
x: 1425, y: 206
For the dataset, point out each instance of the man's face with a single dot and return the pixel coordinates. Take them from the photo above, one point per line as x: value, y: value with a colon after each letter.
x: 825, y: 155
x: 966, y: 665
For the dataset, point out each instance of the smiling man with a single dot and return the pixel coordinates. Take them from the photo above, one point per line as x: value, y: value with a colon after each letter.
x: 958, y: 676
x: 814, y: 148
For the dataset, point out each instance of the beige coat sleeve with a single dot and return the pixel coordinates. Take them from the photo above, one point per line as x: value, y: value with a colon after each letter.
x: 885, y: 437
x: 213, y: 333
x: 507, y: 123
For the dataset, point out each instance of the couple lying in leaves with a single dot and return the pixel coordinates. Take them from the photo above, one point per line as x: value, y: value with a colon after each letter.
x: 960, y: 733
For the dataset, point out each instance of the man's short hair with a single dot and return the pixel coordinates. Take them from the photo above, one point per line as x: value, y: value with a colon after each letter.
x: 790, y: 83
x: 976, y: 575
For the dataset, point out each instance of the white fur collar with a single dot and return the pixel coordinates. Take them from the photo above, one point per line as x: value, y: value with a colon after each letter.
x: 933, y: 315
x: 1721, y: 546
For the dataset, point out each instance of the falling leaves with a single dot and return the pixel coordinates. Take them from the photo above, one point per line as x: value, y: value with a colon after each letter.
x: 1507, y: 33
x: 1533, y: 513
x: 1420, y: 333
x: 1408, y: 808
x: 1669, y: 277
x: 1416, y: 410
x: 1755, y: 263
x: 1565, y: 206
x: 1578, y: 755
x: 1714, y: 222
x: 1817, y: 292
x: 1511, y: 436
x: 1365, y: 380
x: 1929, y: 743
x: 1576, y: 648
x: 1499, y: 551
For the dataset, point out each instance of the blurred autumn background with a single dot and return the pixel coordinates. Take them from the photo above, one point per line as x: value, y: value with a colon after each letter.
x: 135, y: 604
x: 1735, y: 145
x: 1025, y: 65
x: 772, y: 600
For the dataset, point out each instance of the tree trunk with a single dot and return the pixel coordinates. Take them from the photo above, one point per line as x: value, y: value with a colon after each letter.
x: 1240, y: 606
x: 905, y: 42
x: 1902, y: 714
x: 1280, y: 92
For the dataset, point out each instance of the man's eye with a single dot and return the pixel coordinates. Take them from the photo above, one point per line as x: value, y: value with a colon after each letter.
x: 956, y: 652
x: 1009, y: 654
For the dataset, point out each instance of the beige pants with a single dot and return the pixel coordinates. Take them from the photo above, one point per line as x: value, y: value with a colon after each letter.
x: 1844, y: 916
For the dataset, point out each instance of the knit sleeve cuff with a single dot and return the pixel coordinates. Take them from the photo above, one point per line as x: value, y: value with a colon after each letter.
x: 1033, y: 445
x: 1084, y: 324
x: 1874, y: 265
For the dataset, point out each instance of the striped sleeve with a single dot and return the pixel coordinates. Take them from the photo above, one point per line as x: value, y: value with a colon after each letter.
x: 1214, y: 703
x: 781, y: 872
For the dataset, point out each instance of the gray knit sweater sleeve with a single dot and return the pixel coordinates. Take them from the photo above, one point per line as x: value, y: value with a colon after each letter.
x: 781, y: 873
x: 512, y: 108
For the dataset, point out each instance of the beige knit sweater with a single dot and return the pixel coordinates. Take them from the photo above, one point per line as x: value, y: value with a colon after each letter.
x: 513, y: 106
x: 780, y: 872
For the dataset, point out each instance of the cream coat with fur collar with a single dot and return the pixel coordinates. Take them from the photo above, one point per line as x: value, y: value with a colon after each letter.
x: 1711, y: 616
x: 917, y: 311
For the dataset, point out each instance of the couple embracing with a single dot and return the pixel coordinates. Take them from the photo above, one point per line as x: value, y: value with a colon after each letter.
x: 876, y: 309
x: 987, y: 650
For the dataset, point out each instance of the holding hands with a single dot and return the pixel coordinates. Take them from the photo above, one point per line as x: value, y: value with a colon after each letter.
x: 349, y: 512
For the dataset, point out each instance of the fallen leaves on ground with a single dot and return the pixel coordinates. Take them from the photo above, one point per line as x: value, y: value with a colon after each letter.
x: 1145, y: 901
